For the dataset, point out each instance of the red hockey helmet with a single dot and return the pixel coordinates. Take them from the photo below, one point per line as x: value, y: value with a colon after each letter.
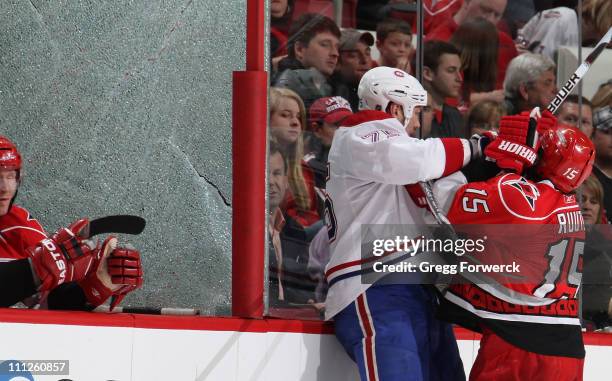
x: 9, y: 155
x: 566, y: 157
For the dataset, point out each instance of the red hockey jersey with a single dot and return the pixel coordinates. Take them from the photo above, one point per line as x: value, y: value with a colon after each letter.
x: 18, y: 231
x: 543, y: 232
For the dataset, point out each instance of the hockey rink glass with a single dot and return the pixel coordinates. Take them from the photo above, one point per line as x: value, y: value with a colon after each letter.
x: 298, y: 287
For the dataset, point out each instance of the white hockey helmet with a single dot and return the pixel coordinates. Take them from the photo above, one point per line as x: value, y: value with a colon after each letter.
x: 383, y: 84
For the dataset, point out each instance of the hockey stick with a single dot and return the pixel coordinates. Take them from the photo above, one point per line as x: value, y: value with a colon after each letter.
x: 568, y: 87
x: 122, y: 223
x: 579, y: 73
x: 532, y: 133
x: 149, y: 310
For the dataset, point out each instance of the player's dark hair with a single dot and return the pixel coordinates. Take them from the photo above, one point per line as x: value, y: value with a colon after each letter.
x: 434, y: 49
x: 388, y: 26
x: 306, y: 27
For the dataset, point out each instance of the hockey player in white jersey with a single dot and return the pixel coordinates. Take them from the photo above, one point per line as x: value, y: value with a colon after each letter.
x: 373, y: 173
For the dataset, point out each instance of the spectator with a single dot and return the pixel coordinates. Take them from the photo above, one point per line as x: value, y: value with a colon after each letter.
x: 394, y: 42
x: 355, y: 60
x: 288, y: 248
x: 312, y: 55
x: 597, y: 268
x: 437, y: 12
x: 371, y: 12
x: 442, y: 79
x: 573, y: 114
x: 558, y: 26
x: 602, y: 139
x: 326, y: 114
x: 490, y: 10
x: 277, y: 186
x: 477, y: 40
x: 517, y: 13
x: 281, y: 12
x: 596, y: 20
x: 485, y: 116
x: 603, y: 96
x: 287, y: 116
x: 530, y: 82
x: 591, y: 201
x: 549, y: 29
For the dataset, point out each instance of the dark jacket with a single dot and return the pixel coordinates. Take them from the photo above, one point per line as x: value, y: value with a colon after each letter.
x: 304, y: 83
x: 448, y: 123
x: 345, y: 90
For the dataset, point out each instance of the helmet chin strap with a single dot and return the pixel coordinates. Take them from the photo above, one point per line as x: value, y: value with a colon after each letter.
x: 406, y: 123
x: 15, y: 196
x: 406, y: 118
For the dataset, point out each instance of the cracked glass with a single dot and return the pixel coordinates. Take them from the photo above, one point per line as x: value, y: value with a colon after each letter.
x: 125, y: 107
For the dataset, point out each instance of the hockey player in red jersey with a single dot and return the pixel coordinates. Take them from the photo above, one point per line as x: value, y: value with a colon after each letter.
x: 531, y: 328
x: 30, y: 263
x: 18, y: 230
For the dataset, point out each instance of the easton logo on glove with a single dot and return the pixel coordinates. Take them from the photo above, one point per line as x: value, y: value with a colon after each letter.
x: 57, y: 257
x: 518, y: 149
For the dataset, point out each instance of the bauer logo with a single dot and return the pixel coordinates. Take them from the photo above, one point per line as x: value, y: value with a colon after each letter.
x: 12, y: 370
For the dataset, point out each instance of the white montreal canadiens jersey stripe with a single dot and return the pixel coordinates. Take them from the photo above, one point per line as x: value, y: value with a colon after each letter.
x: 369, y: 164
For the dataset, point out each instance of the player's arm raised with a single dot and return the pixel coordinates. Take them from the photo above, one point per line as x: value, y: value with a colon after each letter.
x: 405, y: 160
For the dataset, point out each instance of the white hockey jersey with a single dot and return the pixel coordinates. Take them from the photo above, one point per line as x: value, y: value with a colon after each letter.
x: 550, y: 29
x: 371, y: 160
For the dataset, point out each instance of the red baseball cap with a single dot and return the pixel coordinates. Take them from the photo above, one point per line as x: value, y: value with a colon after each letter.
x: 330, y: 110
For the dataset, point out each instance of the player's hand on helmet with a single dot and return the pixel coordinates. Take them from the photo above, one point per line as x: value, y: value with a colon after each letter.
x: 117, y: 273
x: 64, y: 257
x: 479, y: 142
x: 516, y: 146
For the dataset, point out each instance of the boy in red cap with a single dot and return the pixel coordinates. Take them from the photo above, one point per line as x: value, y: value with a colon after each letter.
x: 324, y: 117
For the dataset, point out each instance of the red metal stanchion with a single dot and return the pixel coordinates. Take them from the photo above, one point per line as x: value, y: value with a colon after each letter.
x: 249, y: 138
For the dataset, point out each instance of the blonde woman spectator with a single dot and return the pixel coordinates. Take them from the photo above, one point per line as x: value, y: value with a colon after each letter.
x: 485, y: 116
x: 591, y: 201
x: 287, y: 121
x: 603, y: 96
x: 596, y: 20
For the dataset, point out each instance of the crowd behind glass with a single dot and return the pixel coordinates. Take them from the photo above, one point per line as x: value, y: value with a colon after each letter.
x: 481, y: 60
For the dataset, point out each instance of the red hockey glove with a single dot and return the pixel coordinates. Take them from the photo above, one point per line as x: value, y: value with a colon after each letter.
x: 516, y: 128
x: 117, y: 273
x: 517, y: 144
x: 65, y: 257
x: 510, y: 155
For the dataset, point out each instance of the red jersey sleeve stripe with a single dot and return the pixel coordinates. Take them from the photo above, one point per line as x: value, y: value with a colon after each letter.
x: 455, y: 155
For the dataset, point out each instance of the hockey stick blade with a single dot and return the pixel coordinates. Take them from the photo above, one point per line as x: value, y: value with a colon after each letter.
x: 122, y: 223
x: 579, y: 73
